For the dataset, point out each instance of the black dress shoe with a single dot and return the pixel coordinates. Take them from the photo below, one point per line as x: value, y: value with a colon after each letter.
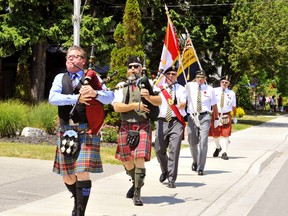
x: 224, y: 156
x: 130, y: 192
x: 163, y: 177
x: 217, y: 151
x: 194, y: 166
x: 171, y: 185
x: 200, y: 172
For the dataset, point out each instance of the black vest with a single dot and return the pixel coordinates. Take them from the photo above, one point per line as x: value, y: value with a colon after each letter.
x: 79, y: 114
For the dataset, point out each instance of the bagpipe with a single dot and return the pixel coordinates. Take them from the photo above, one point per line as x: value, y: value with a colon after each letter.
x: 95, y: 112
x: 145, y: 83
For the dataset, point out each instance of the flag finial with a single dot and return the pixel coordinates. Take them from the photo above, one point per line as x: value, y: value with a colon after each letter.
x: 166, y: 9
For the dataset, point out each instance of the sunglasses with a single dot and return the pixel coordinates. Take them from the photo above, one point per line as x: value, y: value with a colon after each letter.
x: 173, y: 74
x: 135, y: 66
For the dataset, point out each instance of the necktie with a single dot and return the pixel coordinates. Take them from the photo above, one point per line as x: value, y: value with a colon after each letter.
x: 199, y: 104
x: 74, y: 81
x: 222, y: 99
x: 169, y: 110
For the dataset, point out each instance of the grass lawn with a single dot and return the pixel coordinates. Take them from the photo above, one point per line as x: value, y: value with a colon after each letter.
x: 47, y: 152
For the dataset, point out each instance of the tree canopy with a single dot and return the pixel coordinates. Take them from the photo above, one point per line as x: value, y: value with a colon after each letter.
x: 242, y: 37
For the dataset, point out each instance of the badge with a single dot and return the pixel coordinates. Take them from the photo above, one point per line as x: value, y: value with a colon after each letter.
x: 170, y: 102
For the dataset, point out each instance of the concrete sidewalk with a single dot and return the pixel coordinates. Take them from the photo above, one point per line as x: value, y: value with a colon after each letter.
x: 250, y: 151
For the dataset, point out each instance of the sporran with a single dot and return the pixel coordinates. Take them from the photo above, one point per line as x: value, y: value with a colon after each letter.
x: 133, y: 138
x: 225, y: 119
x: 69, y: 143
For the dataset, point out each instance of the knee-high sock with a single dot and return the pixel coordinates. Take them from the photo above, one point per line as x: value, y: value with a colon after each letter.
x: 72, y: 189
x: 140, y: 174
x: 83, y: 193
x: 217, y: 142
x: 131, y: 173
x: 225, y: 144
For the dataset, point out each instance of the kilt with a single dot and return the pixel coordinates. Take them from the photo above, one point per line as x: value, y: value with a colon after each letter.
x: 143, y: 150
x: 224, y: 130
x: 87, y: 160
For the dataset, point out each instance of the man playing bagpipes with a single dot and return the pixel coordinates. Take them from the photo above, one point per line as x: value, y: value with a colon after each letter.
x: 135, y: 134
x: 78, y: 148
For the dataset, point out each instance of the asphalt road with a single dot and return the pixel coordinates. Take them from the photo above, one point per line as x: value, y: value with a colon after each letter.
x: 274, y: 199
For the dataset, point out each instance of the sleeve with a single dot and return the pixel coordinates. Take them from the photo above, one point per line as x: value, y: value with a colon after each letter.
x: 56, y: 97
x: 213, y: 97
x: 234, y: 100
x: 105, y: 97
x: 118, y: 95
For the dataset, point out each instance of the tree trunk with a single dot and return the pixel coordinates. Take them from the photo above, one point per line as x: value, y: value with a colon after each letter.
x: 38, y: 74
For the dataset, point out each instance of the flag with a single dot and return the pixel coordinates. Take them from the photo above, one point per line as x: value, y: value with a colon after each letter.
x: 170, y: 51
x: 188, y: 63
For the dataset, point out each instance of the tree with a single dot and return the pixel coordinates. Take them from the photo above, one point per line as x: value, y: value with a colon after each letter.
x: 30, y: 27
x: 258, y: 32
x: 128, y: 42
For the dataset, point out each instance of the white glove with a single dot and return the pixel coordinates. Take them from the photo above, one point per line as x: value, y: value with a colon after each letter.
x: 235, y: 120
x: 217, y: 123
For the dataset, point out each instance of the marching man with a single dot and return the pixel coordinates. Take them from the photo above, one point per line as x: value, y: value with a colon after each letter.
x: 226, y: 102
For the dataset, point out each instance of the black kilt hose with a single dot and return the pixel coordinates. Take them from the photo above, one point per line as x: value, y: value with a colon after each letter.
x: 88, y: 159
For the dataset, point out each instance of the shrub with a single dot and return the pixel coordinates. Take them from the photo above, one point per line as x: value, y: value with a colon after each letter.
x: 44, y: 116
x: 109, y: 133
x: 13, y: 117
x: 240, y: 112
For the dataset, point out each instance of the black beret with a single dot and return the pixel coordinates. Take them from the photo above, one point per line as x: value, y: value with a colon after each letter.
x: 226, y: 77
x: 172, y: 68
x: 133, y: 59
x: 201, y: 73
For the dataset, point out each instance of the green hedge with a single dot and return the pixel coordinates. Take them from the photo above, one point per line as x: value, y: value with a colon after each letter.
x: 15, y: 115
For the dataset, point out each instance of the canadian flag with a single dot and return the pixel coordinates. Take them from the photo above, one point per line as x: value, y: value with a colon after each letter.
x: 170, y: 51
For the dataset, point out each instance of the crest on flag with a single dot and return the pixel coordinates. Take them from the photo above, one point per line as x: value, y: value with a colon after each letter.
x: 188, y: 64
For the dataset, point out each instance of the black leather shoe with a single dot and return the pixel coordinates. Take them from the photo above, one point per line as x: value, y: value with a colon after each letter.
x: 163, y: 177
x: 217, y: 151
x: 130, y: 192
x: 224, y: 156
x: 200, y: 172
x: 194, y: 166
x: 171, y: 185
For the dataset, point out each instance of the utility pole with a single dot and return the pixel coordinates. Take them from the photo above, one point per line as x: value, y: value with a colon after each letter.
x: 76, y: 19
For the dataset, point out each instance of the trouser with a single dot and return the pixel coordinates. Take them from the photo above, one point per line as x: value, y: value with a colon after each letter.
x: 198, y: 138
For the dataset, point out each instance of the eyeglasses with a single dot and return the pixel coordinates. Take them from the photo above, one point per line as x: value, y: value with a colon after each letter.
x: 74, y: 56
x: 173, y: 74
x: 224, y: 82
x: 135, y: 66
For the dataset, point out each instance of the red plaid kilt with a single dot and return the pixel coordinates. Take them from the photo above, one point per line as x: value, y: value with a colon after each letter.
x: 124, y: 153
x: 88, y: 159
x: 224, y: 130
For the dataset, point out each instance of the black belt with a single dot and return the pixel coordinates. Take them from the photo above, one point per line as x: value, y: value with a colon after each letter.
x: 164, y: 119
x: 203, y: 113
